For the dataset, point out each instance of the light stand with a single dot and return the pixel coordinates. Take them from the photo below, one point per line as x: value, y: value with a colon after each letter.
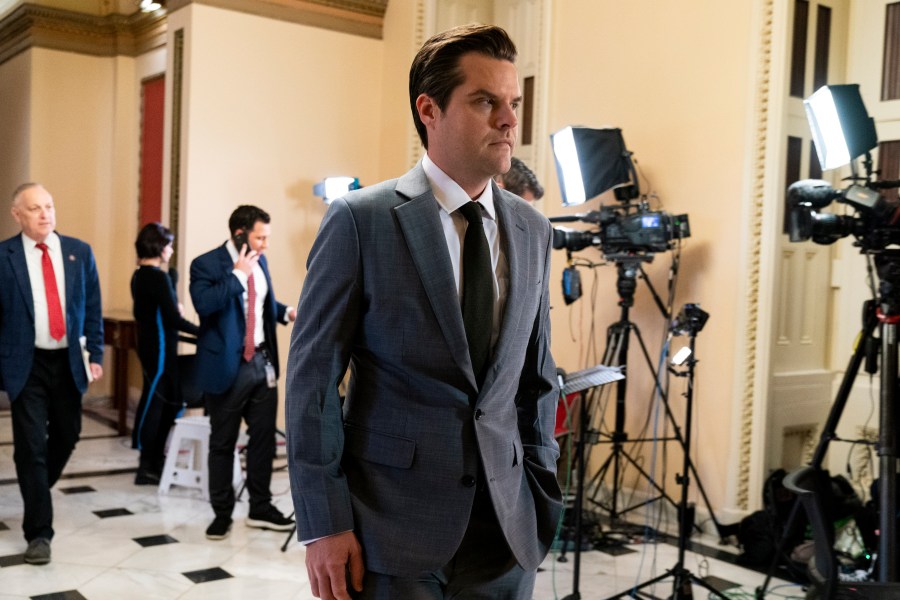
x: 692, y: 323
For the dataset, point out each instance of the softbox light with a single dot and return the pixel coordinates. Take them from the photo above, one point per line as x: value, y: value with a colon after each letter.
x: 589, y: 162
x: 841, y: 127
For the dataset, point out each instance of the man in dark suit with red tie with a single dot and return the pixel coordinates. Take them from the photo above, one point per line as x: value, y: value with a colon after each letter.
x: 49, y: 301
x: 237, y: 365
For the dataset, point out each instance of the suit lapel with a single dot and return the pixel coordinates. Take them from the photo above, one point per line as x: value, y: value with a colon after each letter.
x: 70, y: 274
x: 421, y: 228
x: 518, y: 253
x: 269, y: 311
x: 20, y: 269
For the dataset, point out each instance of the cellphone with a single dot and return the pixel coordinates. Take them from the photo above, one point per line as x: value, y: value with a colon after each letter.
x: 240, y: 238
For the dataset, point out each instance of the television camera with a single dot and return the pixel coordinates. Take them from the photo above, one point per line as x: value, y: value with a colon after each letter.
x: 590, y: 162
x: 627, y: 230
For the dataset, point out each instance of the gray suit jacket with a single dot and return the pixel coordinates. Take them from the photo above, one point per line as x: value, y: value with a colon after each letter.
x: 397, y: 461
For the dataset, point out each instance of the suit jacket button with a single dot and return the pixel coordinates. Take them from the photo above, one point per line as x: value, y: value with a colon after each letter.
x: 478, y: 414
x: 468, y: 481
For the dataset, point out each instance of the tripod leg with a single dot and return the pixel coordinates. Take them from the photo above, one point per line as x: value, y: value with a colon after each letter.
x: 887, y: 453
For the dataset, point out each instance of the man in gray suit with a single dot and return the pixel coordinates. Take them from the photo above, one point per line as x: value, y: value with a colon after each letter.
x: 435, y: 476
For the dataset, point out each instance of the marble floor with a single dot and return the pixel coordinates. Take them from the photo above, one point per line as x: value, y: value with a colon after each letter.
x: 115, y: 540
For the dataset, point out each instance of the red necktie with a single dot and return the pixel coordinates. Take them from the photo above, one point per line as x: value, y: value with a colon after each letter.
x: 54, y: 308
x: 249, y: 346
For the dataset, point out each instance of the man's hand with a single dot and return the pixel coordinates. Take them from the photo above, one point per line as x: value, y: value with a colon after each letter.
x: 246, y: 259
x: 328, y: 562
x: 292, y: 314
x: 96, y: 371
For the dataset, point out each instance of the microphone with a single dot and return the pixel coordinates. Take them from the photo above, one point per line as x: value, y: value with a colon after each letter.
x: 588, y: 217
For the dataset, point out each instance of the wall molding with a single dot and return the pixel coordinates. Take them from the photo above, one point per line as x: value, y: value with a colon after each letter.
x: 754, y: 232
x: 32, y: 26
x: 358, y: 17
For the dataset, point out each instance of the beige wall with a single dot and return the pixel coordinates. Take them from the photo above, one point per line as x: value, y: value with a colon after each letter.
x: 636, y: 65
x: 265, y: 119
x: 400, y: 146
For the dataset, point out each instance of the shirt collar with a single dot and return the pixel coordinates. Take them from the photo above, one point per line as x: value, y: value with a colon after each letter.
x: 449, y: 195
x: 52, y: 242
x: 232, y: 251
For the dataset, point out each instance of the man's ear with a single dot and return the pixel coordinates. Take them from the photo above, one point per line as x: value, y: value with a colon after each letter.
x: 428, y: 109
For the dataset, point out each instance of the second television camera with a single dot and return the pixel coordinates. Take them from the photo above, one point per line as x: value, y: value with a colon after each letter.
x: 875, y: 225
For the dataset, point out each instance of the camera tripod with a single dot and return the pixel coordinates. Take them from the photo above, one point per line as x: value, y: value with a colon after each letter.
x: 682, y: 577
x: 886, y: 316
x: 616, y: 353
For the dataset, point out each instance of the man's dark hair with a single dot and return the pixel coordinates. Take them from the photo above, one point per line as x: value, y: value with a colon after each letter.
x: 152, y: 240
x: 435, y: 69
x: 520, y: 179
x: 245, y: 218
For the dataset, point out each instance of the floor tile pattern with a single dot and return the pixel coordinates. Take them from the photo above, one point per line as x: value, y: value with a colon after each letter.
x: 115, y: 540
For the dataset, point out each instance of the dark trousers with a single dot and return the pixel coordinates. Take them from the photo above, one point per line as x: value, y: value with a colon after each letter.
x: 46, y: 420
x: 483, y: 568
x: 156, y: 412
x: 249, y: 398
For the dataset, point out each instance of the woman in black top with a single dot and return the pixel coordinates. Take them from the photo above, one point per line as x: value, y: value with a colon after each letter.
x: 158, y: 317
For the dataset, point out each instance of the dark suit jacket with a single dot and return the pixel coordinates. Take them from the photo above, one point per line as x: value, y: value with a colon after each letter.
x: 217, y: 295
x: 84, y: 315
x: 396, y: 463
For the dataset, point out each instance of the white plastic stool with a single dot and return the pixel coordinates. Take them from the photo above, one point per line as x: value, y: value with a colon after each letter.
x: 189, y: 467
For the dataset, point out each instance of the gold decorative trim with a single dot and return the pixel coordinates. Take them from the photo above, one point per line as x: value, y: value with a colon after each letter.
x: 359, y: 17
x: 755, y: 226
x: 175, y: 149
x: 111, y: 35
x: 416, y: 150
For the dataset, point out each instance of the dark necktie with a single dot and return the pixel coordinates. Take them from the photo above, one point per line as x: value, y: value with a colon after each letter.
x: 54, y: 308
x: 478, y: 290
x: 249, y: 346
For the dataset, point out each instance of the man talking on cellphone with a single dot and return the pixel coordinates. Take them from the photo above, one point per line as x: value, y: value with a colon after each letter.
x: 237, y: 365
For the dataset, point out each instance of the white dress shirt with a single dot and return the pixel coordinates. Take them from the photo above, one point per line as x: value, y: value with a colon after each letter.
x: 450, y: 196
x: 33, y: 258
